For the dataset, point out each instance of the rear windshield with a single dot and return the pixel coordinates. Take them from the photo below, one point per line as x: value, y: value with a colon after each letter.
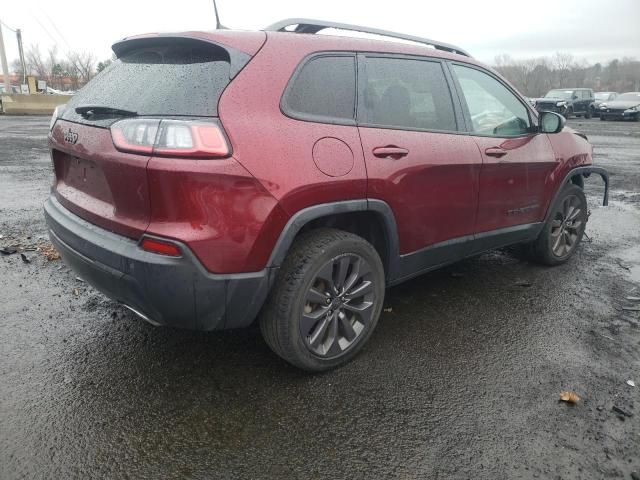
x: 165, y: 80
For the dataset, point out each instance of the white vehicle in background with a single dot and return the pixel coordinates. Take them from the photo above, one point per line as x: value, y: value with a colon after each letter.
x: 602, y: 97
x: 625, y: 106
x: 53, y: 91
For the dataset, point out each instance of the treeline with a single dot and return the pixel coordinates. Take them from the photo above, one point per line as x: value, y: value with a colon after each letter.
x: 68, y: 71
x: 536, y: 76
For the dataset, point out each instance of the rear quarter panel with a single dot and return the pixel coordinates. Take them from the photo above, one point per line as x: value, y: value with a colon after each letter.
x: 277, y: 149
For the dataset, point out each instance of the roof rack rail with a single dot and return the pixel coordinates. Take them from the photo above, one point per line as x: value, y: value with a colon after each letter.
x: 307, y: 25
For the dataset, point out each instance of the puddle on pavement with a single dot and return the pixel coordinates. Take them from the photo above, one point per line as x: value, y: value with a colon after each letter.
x: 635, y: 273
x: 629, y: 259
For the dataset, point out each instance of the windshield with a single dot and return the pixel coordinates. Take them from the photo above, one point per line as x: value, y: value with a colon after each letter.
x: 185, y: 79
x: 602, y: 96
x: 564, y: 94
x: 626, y: 97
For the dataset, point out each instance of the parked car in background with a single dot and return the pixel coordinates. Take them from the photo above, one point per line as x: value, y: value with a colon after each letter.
x: 293, y: 177
x: 625, y: 106
x: 600, y: 98
x: 568, y: 102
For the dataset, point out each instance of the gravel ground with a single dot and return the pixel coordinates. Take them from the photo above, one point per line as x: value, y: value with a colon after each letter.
x: 460, y: 380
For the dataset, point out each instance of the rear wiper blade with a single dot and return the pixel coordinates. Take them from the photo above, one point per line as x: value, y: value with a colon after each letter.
x: 85, y: 110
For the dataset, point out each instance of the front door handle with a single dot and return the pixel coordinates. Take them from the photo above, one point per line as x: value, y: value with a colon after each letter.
x: 495, y: 152
x: 390, y: 151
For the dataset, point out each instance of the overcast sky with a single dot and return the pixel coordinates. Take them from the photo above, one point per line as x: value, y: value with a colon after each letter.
x: 595, y: 30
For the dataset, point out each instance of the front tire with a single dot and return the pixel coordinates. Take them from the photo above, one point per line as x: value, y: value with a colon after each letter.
x: 589, y: 113
x: 326, y: 301
x: 564, y: 229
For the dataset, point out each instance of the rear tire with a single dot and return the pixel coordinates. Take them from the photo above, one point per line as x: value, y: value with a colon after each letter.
x: 602, y: 117
x: 326, y: 301
x: 564, y: 229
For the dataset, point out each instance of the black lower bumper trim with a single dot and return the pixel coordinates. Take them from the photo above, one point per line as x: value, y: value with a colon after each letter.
x: 169, y: 291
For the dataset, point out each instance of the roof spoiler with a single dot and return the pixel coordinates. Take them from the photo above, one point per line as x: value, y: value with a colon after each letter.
x: 237, y: 58
x: 307, y: 25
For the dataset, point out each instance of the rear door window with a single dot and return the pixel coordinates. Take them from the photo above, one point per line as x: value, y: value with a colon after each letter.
x: 404, y: 93
x: 323, y: 90
x: 181, y: 79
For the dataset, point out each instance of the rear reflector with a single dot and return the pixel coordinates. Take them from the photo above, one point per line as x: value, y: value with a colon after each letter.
x: 161, y: 247
x: 171, y: 138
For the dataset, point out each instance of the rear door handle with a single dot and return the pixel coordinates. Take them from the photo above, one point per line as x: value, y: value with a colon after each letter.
x: 495, y: 152
x: 390, y: 151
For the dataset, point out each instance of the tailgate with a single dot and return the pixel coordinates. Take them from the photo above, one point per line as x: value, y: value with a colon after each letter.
x: 97, y: 182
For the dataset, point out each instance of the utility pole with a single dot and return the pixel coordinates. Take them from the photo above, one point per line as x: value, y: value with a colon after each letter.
x: 21, y: 53
x: 5, y: 67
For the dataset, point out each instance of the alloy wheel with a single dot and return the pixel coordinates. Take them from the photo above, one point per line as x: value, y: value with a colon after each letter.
x: 338, y: 307
x: 566, y: 226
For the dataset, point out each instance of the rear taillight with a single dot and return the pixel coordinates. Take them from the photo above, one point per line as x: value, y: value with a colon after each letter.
x: 57, y: 113
x: 171, y: 138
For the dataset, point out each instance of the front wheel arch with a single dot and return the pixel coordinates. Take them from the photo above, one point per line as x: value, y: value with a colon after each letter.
x: 583, y: 172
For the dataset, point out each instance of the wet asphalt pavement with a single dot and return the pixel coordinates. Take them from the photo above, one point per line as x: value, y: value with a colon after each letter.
x: 460, y: 380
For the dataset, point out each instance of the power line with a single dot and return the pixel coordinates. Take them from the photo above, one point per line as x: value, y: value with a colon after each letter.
x: 45, y: 30
x: 58, y: 31
x: 7, y: 26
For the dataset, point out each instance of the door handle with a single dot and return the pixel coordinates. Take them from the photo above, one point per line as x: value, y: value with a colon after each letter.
x: 390, y: 151
x: 495, y: 152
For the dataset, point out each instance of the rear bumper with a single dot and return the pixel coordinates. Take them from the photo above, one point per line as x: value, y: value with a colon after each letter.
x: 169, y: 291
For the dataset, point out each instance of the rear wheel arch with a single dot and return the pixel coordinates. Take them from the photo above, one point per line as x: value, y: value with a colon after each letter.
x: 372, y: 220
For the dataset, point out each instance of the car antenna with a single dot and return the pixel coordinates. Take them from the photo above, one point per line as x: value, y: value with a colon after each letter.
x: 219, y: 26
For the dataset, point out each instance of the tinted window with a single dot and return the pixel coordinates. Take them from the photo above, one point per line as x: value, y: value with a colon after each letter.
x: 324, y: 87
x: 169, y: 80
x: 406, y: 93
x: 494, y: 110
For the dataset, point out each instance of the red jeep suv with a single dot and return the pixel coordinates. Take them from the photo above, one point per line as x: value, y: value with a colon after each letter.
x: 208, y: 179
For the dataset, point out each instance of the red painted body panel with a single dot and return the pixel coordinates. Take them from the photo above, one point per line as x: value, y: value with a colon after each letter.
x: 276, y: 149
x: 217, y: 208
x: 433, y: 191
x: 571, y: 151
x: 97, y: 182
x: 513, y: 187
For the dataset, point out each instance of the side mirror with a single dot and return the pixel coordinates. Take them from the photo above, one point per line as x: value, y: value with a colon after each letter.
x: 551, y: 122
x: 575, y: 97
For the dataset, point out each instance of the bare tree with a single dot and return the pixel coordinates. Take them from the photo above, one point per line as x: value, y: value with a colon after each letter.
x: 535, y: 77
x: 16, y: 67
x: 83, y: 63
x: 37, y: 62
x: 563, y: 63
